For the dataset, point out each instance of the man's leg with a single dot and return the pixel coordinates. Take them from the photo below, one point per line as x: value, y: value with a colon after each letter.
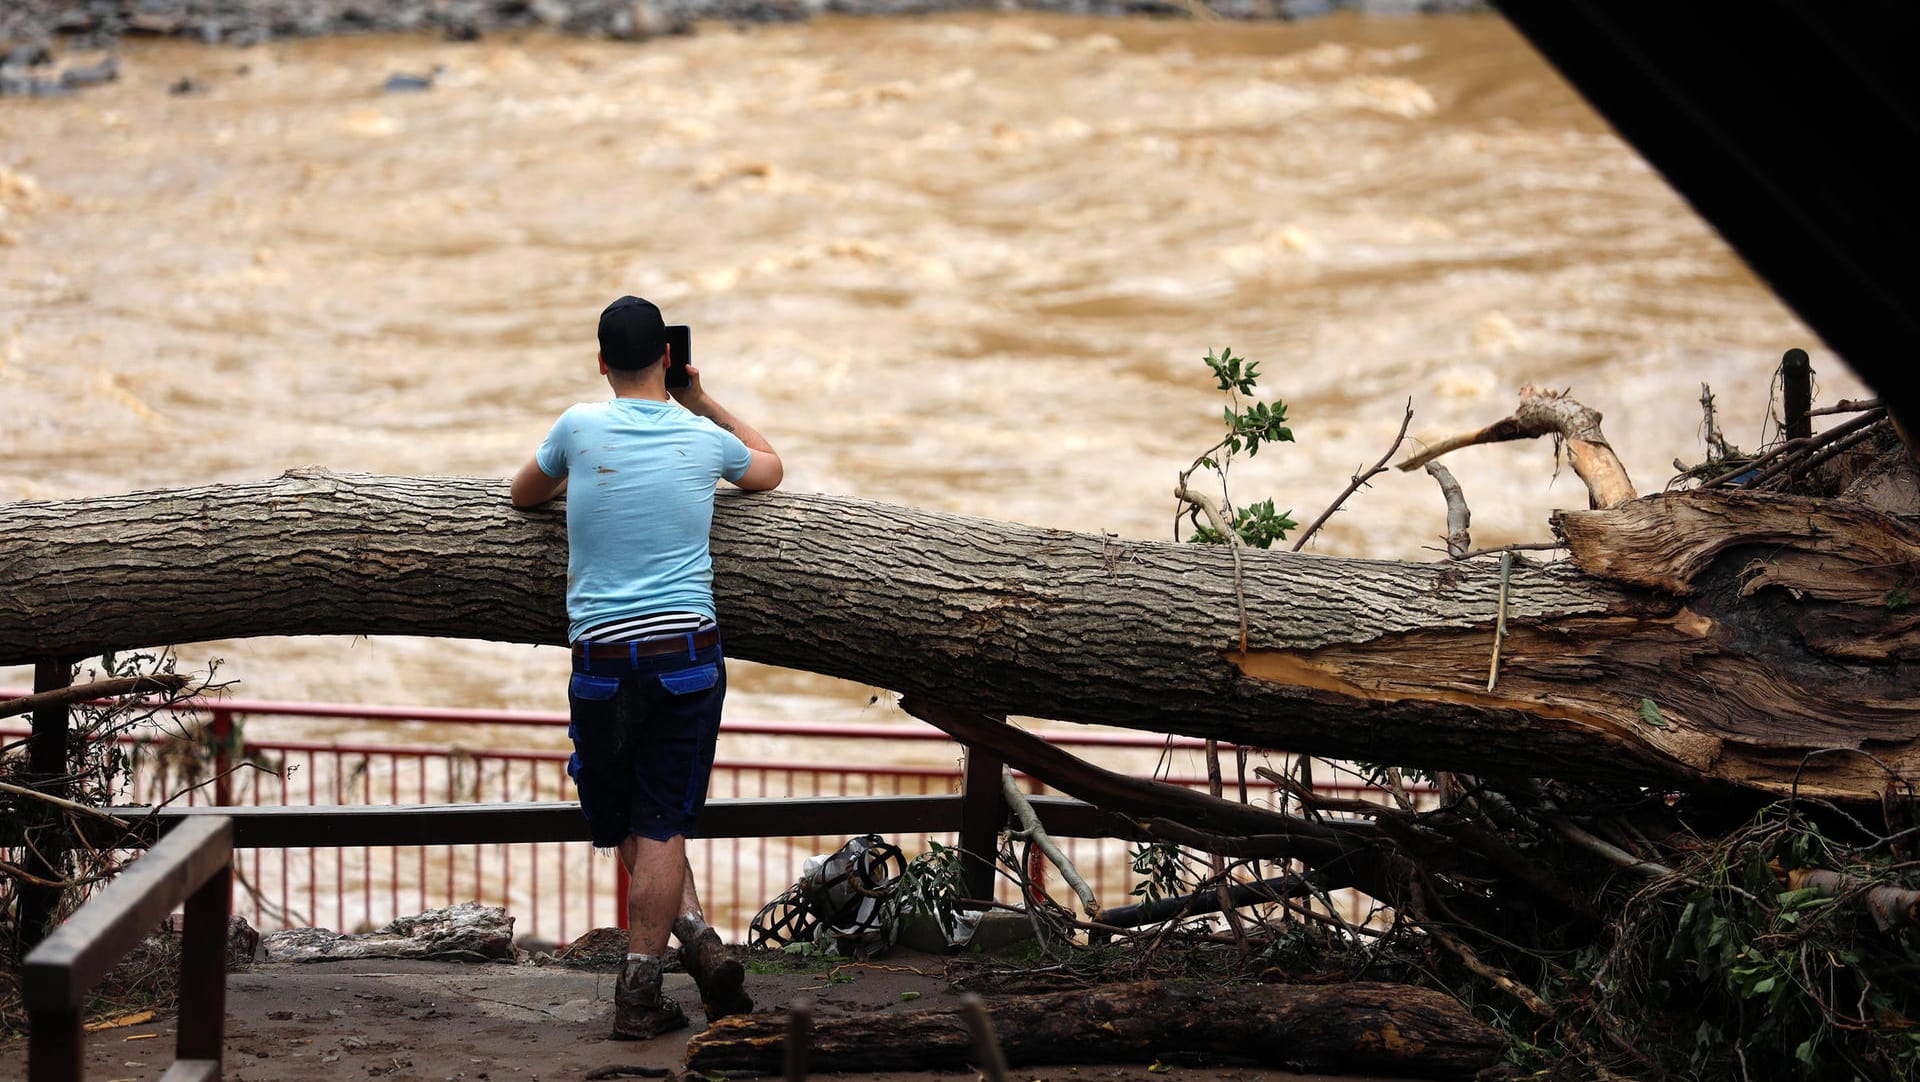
x: 656, y: 871
x: 718, y: 974
x: 658, y: 878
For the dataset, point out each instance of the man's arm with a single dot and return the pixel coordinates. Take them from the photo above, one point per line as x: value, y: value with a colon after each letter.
x: 532, y: 487
x: 765, y: 471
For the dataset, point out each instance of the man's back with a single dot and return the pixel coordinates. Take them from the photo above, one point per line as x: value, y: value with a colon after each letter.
x: 641, y: 476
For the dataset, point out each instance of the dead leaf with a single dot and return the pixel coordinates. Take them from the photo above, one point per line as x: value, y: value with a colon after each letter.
x: 118, y: 1021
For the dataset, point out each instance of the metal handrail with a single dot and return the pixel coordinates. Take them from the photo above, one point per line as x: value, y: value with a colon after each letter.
x: 334, y: 826
x: 192, y: 864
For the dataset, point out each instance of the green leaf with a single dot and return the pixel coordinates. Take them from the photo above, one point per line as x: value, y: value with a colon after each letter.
x: 909, y: 996
x: 1650, y: 713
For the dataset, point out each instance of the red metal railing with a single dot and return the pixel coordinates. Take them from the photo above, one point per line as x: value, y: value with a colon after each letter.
x: 234, y: 752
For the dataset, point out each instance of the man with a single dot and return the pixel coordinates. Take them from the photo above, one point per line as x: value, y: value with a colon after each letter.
x: 648, y: 671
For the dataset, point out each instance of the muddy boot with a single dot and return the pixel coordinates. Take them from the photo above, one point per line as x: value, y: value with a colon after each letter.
x: 641, y: 1011
x: 718, y: 974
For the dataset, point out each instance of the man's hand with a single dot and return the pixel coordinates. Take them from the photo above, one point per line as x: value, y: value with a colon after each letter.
x: 693, y: 395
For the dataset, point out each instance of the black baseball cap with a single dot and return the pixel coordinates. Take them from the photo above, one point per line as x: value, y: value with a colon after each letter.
x: 632, y: 334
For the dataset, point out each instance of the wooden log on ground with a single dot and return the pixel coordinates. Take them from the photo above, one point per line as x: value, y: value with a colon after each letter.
x: 1694, y: 675
x: 1358, y: 1028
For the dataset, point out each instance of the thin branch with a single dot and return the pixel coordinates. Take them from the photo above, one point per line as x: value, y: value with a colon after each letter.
x: 99, y: 689
x: 1791, y: 447
x: 1500, y: 626
x: 1525, y: 996
x: 1307, y: 796
x: 1083, y: 925
x: 1524, y: 546
x: 1205, y: 504
x: 1359, y: 479
x: 1847, y: 405
x: 1613, y: 854
x: 1821, y: 456
x: 1034, y: 832
x: 1219, y: 864
x: 1459, y: 517
x: 62, y: 803
x: 1715, y: 440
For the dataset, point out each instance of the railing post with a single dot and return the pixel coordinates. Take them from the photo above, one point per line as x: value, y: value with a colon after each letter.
x: 1796, y: 393
x: 56, y: 1045
x: 983, y: 811
x: 203, y: 969
x: 46, y: 765
x: 222, y: 757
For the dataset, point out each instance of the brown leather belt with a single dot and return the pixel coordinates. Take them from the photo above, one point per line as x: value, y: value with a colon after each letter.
x: 622, y: 651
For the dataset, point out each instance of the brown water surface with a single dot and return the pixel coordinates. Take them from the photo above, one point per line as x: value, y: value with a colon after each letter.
x: 968, y: 263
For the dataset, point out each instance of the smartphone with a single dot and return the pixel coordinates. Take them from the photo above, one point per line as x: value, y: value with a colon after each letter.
x: 679, y: 355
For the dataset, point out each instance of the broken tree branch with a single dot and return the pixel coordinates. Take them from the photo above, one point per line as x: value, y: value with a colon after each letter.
x: 1552, y: 413
x: 1794, y: 447
x: 1386, y: 1029
x: 98, y: 689
x: 1891, y: 907
x: 1031, y: 829
x: 1459, y: 537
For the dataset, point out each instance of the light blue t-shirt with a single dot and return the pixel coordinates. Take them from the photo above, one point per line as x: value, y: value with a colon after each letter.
x: 640, y: 485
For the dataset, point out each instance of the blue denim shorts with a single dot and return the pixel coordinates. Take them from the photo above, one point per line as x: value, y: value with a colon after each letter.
x: 643, y: 734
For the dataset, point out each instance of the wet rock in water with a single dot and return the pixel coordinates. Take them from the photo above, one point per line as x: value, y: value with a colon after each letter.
x: 106, y: 71
x: 645, y: 19
x: 398, y: 83
x: 156, y: 23
x: 468, y: 932
x: 30, y: 55
x: 21, y: 86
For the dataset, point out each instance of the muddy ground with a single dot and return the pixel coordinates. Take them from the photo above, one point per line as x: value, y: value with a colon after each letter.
x: 500, y: 1022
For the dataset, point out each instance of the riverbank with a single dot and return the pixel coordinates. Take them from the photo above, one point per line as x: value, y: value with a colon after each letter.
x: 28, y: 27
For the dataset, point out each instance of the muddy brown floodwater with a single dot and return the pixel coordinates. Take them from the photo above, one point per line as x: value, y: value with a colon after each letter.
x: 966, y: 262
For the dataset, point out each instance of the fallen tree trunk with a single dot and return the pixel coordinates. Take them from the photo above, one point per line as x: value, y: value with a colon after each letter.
x: 1360, y: 1028
x: 1685, y: 666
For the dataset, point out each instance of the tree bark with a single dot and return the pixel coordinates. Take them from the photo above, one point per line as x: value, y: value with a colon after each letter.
x: 1360, y: 1028
x: 1683, y: 658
